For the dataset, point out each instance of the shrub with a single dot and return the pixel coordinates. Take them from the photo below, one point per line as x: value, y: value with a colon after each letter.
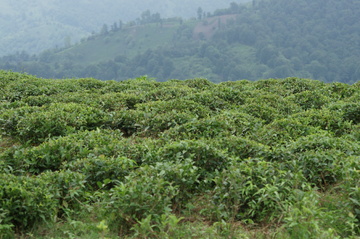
x: 297, y: 85
x: 209, y: 99
x: 182, y: 174
x: 22, y: 88
x: 204, y: 154
x: 322, y: 157
x: 199, y: 83
x: 25, y: 201
x: 349, y: 111
x: 261, y: 111
x: 282, y: 104
x: 242, y: 148
x: 305, y: 218
x: 141, y: 195
x: 224, y: 124
x: 322, y: 168
x: 197, y: 129
x: 325, y: 119
x: 67, y: 189
x: 36, y: 124
x: 176, y: 105
x: 101, y: 171
x: 282, y: 131
x: 352, y: 112
x: 229, y: 94
x: 253, y: 190
x: 10, y: 118
x: 340, y: 90
x: 152, y: 118
x: 59, y: 120
x: 324, y: 141
x: 170, y: 92
x: 310, y: 99
x: 52, y: 154
x: 38, y: 100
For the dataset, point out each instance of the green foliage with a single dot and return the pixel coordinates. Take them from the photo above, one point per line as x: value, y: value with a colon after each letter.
x: 305, y: 219
x: 325, y: 119
x: 222, y: 46
x: 141, y: 195
x: 223, y: 124
x: 101, y: 171
x: 282, y: 131
x: 254, y: 190
x: 322, y: 157
x: 165, y: 227
x: 67, y: 189
x: 205, y: 156
x: 140, y: 158
x: 310, y: 99
x: 243, y: 148
x: 181, y: 173
x: 38, y: 124
x: 25, y: 201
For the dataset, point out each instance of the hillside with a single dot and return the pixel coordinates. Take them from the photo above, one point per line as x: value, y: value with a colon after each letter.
x: 265, y: 39
x: 84, y: 158
x: 38, y: 25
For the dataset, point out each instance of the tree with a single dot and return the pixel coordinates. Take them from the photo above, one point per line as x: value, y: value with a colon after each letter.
x: 145, y: 17
x: 120, y: 24
x: 104, y: 30
x: 200, y: 13
x: 114, y: 27
x: 67, y: 41
x: 234, y: 7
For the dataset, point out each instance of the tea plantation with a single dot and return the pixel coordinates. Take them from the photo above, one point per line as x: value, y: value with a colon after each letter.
x: 83, y: 158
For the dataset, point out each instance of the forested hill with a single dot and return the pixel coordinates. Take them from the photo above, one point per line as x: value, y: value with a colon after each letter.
x: 37, y: 25
x: 264, y: 39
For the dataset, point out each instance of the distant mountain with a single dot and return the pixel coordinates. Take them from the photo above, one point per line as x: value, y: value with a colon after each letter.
x: 38, y: 25
x: 263, y: 39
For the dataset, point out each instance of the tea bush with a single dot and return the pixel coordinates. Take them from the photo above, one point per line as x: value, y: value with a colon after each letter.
x: 322, y: 157
x: 205, y: 155
x: 325, y: 119
x: 141, y: 195
x: 67, y: 190
x: 22, y: 88
x: 310, y: 99
x: 295, y: 85
x: 221, y: 125
x: 253, y: 190
x: 197, y: 129
x: 199, y: 83
x: 284, y: 130
x: 25, y: 201
x: 243, y: 148
x: 182, y: 174
x: 36, y: 124
x: 52, y: 154
x: 101, y: 171
x: 10, y: 118
x: 170, y: 92
x: 261, y: 111
x: 82, y: 158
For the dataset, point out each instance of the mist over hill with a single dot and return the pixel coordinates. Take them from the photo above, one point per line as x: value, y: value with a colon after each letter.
x: 38, y: 25
x: 264, y: 39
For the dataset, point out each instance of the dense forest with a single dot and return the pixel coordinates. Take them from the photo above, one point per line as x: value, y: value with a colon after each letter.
x: 264, y: 39
x: 38, y: 25
x: 84, y: 158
